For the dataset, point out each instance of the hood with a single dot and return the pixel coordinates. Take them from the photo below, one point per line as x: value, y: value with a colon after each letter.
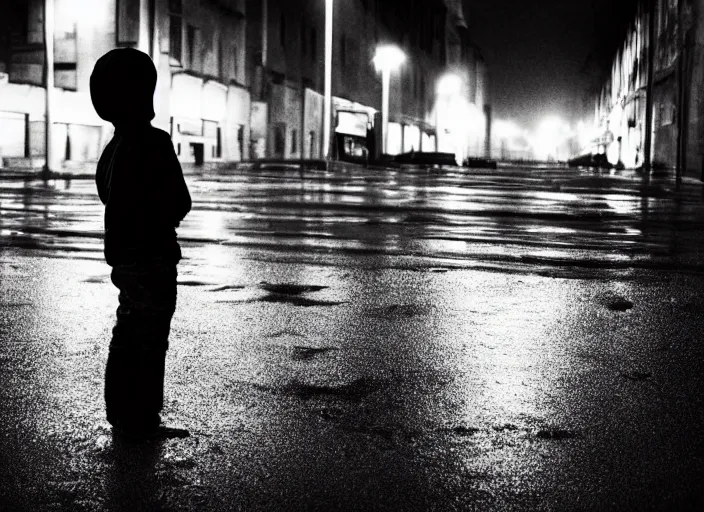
x: 122, y: 86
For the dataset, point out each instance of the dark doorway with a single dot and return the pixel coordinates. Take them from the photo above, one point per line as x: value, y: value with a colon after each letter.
x: 198, y: 150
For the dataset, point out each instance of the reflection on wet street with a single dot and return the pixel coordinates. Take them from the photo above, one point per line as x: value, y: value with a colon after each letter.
x: 547, y: 221
x: 370, y: 340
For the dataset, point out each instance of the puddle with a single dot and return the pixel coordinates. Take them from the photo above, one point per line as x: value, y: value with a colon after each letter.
x: 301, y: 353
x: 290, y: 289
x: 193, y: 283
x: 228, y: 287
x: 295, y: 300
x: 95, y: 279
x: 619, y: 305
x: 615, y: 302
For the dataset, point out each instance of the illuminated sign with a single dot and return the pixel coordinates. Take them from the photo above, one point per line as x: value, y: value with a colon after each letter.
x: 352, y: 123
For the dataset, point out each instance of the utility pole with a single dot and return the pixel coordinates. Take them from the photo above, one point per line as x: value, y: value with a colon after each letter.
x: 49, y: 82
x: 647, y: 163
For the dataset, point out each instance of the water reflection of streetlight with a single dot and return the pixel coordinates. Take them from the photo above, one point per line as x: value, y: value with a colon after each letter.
x: 388, y: 58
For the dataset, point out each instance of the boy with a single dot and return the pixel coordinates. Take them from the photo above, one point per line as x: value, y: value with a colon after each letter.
x: 141, y: 184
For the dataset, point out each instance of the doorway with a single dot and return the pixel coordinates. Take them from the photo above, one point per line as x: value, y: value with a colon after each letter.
x: 198, y: 151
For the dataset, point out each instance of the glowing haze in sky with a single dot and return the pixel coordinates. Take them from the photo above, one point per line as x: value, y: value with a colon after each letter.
x: 535, y: 50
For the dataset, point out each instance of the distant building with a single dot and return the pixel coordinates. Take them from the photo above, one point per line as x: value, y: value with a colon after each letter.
x: 462, y: 108
x: 620, y: 106
x: 240, y: 79
x: 202, y: 95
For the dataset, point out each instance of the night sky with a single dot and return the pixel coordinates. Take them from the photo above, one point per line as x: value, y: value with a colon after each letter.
x: 536, y: 49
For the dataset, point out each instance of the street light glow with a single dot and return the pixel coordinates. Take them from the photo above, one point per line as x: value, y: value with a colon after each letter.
x: 449, y: 85
x: 551, y: 134
x: 388, y: 58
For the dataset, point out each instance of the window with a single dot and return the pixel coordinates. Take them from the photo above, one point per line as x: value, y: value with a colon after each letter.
x: 127, y: 21
x: 175, y: 31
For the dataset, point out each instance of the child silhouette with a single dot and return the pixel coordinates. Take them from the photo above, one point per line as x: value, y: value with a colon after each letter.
x: 141, y: 184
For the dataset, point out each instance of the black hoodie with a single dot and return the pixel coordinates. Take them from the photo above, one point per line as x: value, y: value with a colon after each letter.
x: 139, y: 177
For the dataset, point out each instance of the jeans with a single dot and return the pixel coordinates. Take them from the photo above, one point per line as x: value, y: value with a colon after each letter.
x: 134, y: 376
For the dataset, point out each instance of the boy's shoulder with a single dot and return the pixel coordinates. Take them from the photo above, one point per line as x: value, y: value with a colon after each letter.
x: 159, y: 134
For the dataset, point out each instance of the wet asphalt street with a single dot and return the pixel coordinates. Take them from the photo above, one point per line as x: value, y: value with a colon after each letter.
x: 516, y: 339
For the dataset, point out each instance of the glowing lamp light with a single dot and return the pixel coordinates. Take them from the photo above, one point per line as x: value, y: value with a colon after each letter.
x: 506, y: 129
x: 388, y: 58
x: 550, y: 134
x: 449, y: 85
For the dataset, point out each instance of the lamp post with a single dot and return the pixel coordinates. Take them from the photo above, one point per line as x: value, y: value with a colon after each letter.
x: 49, y: 60
x: 387, y: 58
x: 327, y: 102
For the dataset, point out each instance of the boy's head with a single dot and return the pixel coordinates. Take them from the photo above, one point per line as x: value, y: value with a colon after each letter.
x: 122, y: 87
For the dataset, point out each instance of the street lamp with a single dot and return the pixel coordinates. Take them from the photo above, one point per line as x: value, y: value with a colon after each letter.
x: 387, y: 58
x: 327, y: 104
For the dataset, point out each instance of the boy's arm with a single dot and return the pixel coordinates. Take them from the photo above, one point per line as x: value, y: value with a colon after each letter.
x: 176, y: 198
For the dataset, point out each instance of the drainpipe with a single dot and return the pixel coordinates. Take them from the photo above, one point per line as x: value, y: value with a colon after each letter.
x: 49, y: 68
x: 647, y: 164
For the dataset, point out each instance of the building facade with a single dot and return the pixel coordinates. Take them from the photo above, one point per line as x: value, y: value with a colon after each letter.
x: 241, y: 79
x: 620, y: 108
x: 202, y: 97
